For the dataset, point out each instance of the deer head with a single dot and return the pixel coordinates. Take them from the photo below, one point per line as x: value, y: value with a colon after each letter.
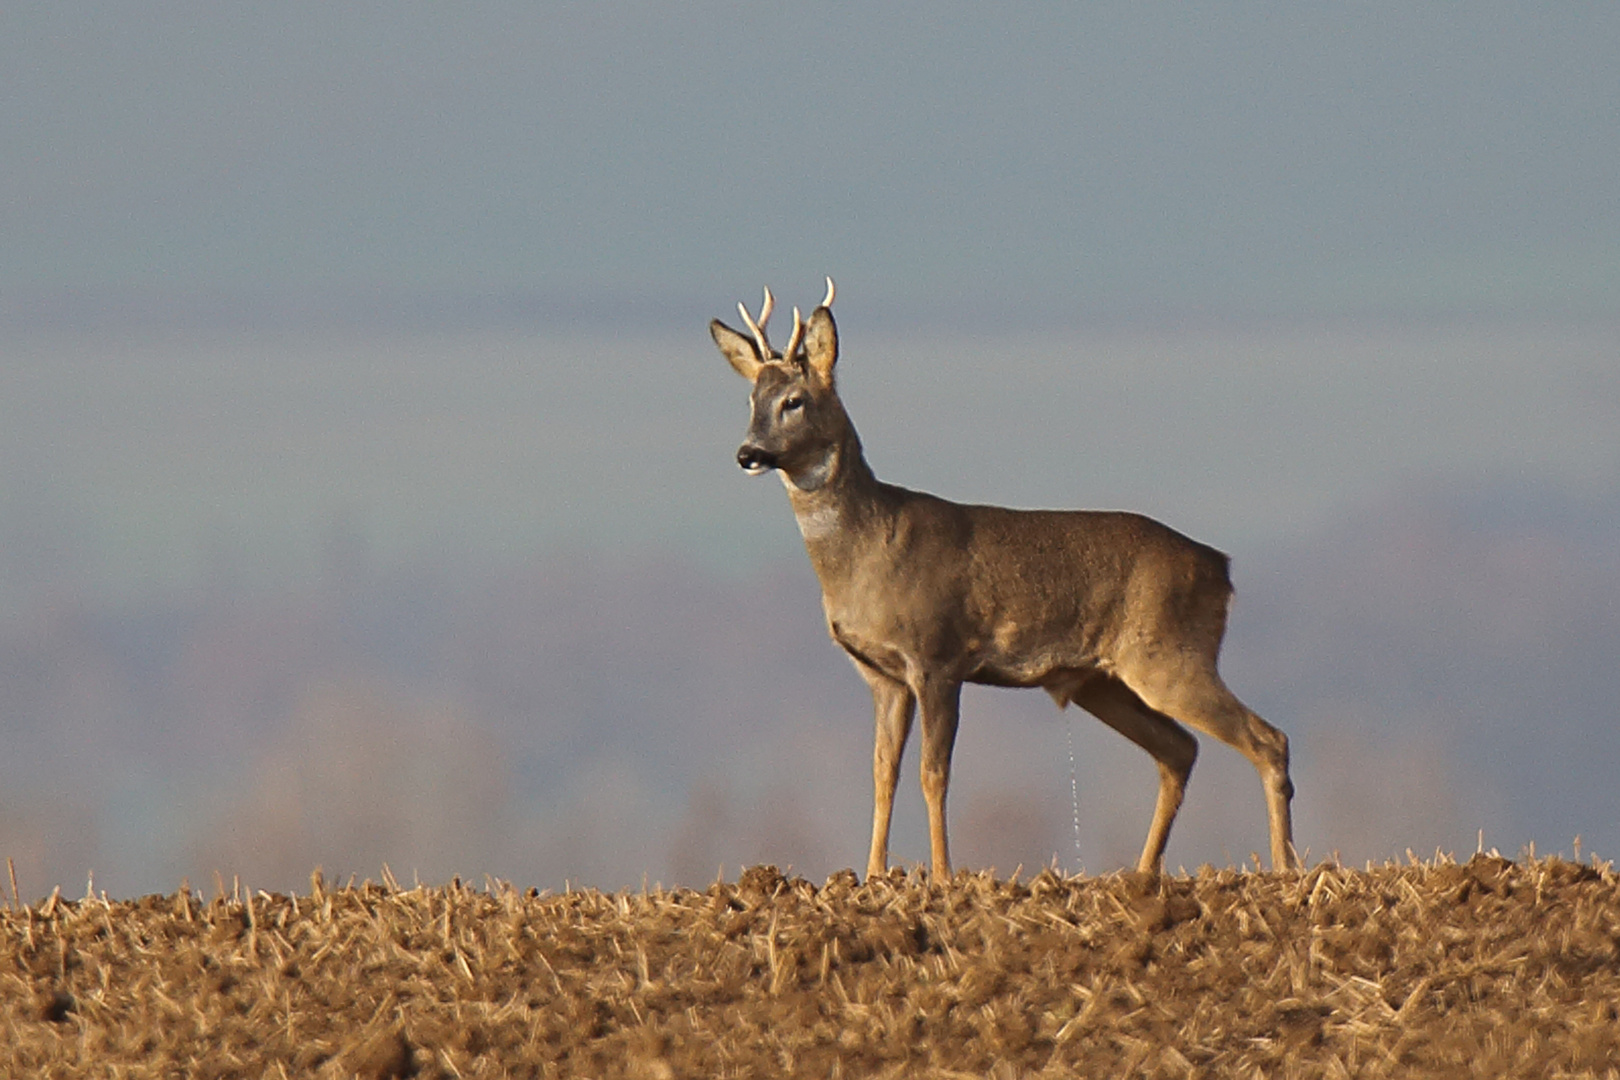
x: 797, y: 424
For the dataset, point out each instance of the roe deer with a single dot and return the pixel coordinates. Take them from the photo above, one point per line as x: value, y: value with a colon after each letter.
x: 1109, y: 610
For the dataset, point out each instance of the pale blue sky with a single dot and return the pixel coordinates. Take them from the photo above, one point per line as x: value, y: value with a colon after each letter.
x: 1014, y: 161
x: 443, y: 272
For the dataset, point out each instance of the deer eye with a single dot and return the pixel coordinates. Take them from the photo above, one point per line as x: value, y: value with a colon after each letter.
x: 793, y: 404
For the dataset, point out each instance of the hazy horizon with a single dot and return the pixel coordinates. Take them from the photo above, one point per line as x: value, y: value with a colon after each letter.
x: 600, y: 715
x: 161, y: 454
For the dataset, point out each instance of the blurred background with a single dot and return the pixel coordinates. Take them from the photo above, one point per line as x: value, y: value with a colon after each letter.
x: 366, y: 471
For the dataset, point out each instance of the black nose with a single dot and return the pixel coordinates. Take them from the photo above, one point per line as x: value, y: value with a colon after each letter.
x: 754, y: 459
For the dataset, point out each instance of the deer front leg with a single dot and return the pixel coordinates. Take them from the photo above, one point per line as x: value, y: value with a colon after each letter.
x: 894, y: 707
x: 941, y: 705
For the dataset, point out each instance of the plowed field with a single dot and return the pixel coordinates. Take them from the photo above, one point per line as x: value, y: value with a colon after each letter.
x: 1487, y: 968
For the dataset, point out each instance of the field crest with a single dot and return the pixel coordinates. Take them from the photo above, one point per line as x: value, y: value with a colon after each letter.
x: 1488, y: 967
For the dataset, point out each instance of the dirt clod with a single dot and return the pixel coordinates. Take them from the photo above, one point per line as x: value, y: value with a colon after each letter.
x: 55, y: 1006
x: 384, y: 1055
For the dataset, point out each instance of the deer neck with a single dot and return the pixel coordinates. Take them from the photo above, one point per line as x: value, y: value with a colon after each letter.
x: 834, y: 499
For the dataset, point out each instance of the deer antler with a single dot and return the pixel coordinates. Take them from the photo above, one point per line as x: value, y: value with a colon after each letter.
x: 827, y: 303
x: 758, y: 328
x: 798, y: 336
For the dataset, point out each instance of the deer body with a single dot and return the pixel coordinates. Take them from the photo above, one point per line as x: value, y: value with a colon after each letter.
x: 1111, y: 611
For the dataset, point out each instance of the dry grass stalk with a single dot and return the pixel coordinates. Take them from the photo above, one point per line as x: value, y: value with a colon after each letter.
x: 1483, y: 968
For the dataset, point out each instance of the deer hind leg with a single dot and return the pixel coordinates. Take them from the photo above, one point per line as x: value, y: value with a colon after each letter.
x: 1172, y: 748
x: 940, y: 703
x: 1197, y: 697
x: 894, y: 707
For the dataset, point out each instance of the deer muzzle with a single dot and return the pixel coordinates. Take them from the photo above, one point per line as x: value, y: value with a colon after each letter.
x: 755, y: 460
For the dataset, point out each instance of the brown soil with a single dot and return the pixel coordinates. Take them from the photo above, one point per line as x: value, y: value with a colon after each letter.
x: 1484, y: 968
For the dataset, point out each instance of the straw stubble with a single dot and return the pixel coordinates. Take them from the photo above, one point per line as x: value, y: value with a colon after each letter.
x: 1488, y: 967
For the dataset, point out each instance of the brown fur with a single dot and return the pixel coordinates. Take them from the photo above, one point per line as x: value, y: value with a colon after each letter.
x: 1112, y: 611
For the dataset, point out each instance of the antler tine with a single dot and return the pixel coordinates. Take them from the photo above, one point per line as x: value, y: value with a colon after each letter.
x: 798, y: 336
x: 827, y: 303
x: 758, y: 329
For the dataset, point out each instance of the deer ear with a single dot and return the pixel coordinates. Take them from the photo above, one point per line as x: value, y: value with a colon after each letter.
x: 821, y: 343
x: 739, y: 351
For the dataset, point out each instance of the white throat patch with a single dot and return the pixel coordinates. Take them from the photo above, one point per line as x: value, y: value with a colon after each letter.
x: 817, y: 523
